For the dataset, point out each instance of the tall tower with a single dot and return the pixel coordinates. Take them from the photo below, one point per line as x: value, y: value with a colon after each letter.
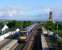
x: 50, y: 16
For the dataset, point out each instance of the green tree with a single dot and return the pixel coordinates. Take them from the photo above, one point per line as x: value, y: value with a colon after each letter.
x: 26, y: 23
x: 11, y: 24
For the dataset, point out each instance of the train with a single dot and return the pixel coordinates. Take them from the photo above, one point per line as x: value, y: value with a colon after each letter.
x: 26, y: 34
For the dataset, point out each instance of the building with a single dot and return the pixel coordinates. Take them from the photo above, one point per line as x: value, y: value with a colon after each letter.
x: 4, y: 29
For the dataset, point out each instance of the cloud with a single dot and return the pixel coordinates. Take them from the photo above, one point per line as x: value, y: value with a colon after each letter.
x: 29, y: 13
x: 12, y: 13
x: 22, y: 11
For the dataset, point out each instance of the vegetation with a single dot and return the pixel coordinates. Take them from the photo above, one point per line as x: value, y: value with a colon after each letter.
x: 13, y: 24
x: 55, y: 27
x: 50, y: 25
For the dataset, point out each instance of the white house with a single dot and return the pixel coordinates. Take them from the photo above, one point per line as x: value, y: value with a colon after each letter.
x: 4, y: 28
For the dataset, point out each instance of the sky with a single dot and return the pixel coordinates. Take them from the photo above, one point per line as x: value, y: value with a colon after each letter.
x: 30, y: 9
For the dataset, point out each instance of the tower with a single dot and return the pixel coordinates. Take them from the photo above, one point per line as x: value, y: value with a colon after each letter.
x: 50, y: 16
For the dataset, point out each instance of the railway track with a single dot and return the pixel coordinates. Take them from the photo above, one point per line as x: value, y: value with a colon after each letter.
x: 44, y: 43
x: 10, y: 46
x: 4, y: 42
x: 37, y: 43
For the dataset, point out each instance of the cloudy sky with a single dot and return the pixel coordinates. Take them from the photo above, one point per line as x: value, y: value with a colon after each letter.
x: 30, y: 9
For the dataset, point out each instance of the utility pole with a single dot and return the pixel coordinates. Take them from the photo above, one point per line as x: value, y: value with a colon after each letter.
x: 57, y: 28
